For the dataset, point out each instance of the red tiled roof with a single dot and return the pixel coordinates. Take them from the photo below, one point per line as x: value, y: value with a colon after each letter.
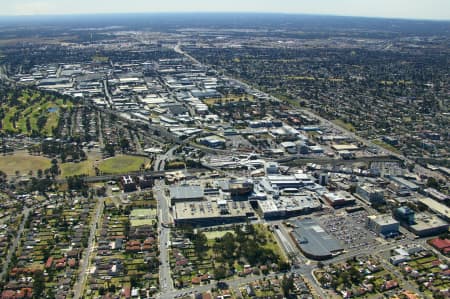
x: 391, y: 284
x: 440, y: 244
x: 127, y: 292
x: 206, y: 296
x: 8, y: 294
x: 49, y: 263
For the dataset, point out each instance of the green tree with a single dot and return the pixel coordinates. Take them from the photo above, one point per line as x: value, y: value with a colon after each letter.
x: 220, y: 273
x: 38, y: 284
x: 287, y: 285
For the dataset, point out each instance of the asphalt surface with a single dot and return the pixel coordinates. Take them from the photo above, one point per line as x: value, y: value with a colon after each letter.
x: 165, y: 278
x: 12, y: 249
x: 88, y: 252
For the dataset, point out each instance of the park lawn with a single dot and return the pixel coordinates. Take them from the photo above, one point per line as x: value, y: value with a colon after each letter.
x: 122, y: 164
x: 271, y: 244
x: 80, y: 168
x: 217, y: 234
x: 23, y: 163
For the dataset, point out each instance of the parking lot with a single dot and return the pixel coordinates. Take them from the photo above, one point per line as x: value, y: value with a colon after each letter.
x: 350, y: 229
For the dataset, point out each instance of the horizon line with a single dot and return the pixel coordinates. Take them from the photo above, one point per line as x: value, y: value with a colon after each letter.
x: 219, y: 12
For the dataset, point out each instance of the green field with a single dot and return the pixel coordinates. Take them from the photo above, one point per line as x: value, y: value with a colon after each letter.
x: 123, y: 164
x: 81, y: 168
x: 217, y: 234
x: 23, y: 163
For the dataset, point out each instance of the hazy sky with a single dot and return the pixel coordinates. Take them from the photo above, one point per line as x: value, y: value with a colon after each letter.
x: 418, y: 9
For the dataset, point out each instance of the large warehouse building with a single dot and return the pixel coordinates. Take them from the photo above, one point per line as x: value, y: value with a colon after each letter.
x: 212, y: 212
x: 314, y: 241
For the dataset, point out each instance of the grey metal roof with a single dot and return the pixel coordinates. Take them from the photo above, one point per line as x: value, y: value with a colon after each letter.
x: 186, y: 192
x: 313, y: 239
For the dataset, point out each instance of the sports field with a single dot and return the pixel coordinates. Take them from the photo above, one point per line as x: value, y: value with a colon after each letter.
x: 24, y: 163
x: 123, y: 164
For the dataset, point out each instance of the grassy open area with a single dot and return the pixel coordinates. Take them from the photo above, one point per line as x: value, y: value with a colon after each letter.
x: 386, y: 146
x: 81, y: 168
x: 271, y: 242
x: 139, y: 217
x: 345, y: 125
x: 217, y: 234
x: 24, y: 163
x: 123, y: 164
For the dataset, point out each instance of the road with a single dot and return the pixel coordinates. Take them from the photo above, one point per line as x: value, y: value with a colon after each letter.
x: 165, y: 278
x: 100, y: 130
x: 88, y: 252
x: 180, y: 51
x: 403, y: 282
x: 13, y: 248
x: 302, y: 266
x: 232, y: 283
x: 160, y: 161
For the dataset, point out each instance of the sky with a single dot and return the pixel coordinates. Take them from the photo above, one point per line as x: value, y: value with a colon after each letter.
x: 410, y: 9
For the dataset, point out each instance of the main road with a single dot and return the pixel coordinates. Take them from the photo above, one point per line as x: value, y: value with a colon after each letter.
x: 89, y: 251
x: 165, y: 279
x: 12, y: 249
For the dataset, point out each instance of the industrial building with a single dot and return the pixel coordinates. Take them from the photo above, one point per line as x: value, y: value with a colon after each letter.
x: 212, y: 141
x: 212, y: 212
x: 284, y: 181
x: 404, y: 184
x: 288, y: 205
x: 338, y: 199
x: 186, y: 193
x: 314, y: 241
x: 428, y: 225
x: 383, y: 225
x: 440, y: 209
